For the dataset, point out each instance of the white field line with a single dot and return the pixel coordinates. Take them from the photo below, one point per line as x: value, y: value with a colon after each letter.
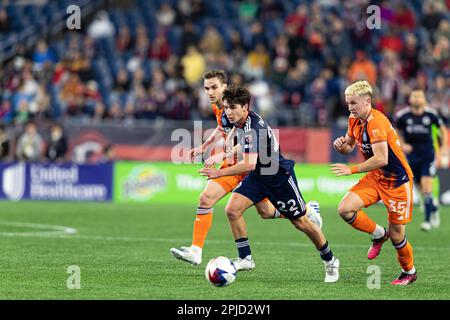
x: 63, y: 232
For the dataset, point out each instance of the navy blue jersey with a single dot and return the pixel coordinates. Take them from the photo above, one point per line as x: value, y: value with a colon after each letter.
x: 416, y: 129
x: 256, y: 136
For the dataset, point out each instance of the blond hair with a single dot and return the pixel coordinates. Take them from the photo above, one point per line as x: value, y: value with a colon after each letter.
x: 359, y: 88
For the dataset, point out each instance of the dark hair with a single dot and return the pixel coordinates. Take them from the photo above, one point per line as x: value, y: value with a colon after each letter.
x: 219, y: 74
x: 237, y: 95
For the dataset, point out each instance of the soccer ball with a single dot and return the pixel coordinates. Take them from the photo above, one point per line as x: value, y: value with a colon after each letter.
x: 220, y: 271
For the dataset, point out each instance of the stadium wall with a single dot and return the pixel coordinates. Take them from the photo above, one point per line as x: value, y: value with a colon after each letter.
x: 152, y: 182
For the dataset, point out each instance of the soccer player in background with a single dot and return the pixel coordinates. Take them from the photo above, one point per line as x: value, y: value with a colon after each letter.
x: 271, y: 176
x: 415, y: 124
x: 389, y: 178
x: 215, y: 82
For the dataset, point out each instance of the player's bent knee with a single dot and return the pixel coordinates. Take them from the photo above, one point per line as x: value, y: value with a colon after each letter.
x: 345, y: 211
x: 233, y: 213
x: 265, y: 214
x: 207, y: 200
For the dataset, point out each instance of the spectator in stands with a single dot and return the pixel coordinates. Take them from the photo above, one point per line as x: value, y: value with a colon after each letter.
x: 22, y: 114
x: 165, y: 15
x: 362, y: 68
x: 211, y: 42
x: 40, y: 105
x: 42, y: 55
x: 5, y: 25
x: 101, y: 27
x: 410, y: 56
x: 56, y: 145
x: 404, y: 18
x: 4, y: 143
x: 124, y: 41
x: 248, y: 9
x: 115, y: 113
x: 159, y: 48
x: 6, y: 112
x: 298, y: 21
x: 71, y: 95
x: 439, y: 96
x: 257, y: 63
x: 193, y: 65
x: 189, y: 36
x: 91, y: 97
x: 391, y: 40
x: 122, y: 83
x: 100, y: 113
x: 141, y: 43
x: 431, y: 16
x: 30, y: 144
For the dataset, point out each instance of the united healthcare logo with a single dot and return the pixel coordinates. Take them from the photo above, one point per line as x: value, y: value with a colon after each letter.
x: 13, y: 181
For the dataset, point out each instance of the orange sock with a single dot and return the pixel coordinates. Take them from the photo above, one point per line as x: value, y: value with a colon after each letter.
x: 202, y: 224
x: 405, y: 255
x: 362, y: 222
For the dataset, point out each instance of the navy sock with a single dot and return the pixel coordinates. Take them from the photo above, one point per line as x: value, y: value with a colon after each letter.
x: 429, y: 206
x: 243, y: 247
x: 325, y: 252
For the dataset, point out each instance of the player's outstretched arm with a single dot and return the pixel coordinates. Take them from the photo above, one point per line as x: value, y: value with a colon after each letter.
x: 213, y: 138
x: 344, y: 145
x: 444, y: 152
x: 247, y: 164
x: 379, y: 160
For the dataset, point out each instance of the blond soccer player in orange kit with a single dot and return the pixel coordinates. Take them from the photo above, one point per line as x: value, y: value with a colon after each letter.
x: 389, y: 178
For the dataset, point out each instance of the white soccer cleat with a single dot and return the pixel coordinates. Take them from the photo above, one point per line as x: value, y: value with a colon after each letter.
x: 246, y: 264
x: 313, y: 213
x: 435, y: 219
x: 425, y: 226
x: 192, y: 254
x: 332, y: 270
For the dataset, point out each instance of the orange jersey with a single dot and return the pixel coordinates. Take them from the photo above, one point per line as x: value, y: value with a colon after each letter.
x: 377, y: 128
x: 223, y: 123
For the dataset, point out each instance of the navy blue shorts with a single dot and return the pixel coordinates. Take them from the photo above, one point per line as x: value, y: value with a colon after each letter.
x: 422, y: 166
x: 281, y: 189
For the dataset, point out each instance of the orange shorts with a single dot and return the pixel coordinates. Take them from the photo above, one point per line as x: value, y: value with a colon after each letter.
x: 398, y: 201
x: 228, y: 183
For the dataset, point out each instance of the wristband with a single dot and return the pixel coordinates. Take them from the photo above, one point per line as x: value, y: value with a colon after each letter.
x: 354, y: 169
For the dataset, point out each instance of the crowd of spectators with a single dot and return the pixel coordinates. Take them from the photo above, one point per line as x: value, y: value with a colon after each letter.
x: 296, y: 63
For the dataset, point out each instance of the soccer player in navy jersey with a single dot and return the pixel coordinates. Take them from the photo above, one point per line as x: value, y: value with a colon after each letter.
x: 271, y: 176
x: 415, y: 125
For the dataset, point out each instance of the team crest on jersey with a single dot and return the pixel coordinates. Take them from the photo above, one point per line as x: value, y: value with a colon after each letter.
x: 375, y: 133
x: 409, y: 121
x: 227, y: 130
x: 364, y: 136
x: 426, y: 121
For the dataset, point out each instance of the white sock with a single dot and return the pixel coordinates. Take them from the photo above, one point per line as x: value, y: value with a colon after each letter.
x: 379, y: 232
x: 412, y: 271
x: 277, y: 214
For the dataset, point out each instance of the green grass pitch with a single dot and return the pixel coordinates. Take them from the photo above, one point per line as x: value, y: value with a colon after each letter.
x: 123, y: 253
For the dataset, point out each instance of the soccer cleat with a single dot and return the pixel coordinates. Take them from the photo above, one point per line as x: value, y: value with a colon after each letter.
x: 246, y: 264
x: 435, y: 219
x: 405, y: 279
x: 425, y: 226
x: 192, y: 254
x: 313, y: 213
x: 375, y: 248
x: 332, y: 270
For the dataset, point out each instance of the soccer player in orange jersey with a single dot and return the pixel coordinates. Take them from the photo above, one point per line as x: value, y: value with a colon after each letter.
x: 215, y: 83
x: 389, y: 178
